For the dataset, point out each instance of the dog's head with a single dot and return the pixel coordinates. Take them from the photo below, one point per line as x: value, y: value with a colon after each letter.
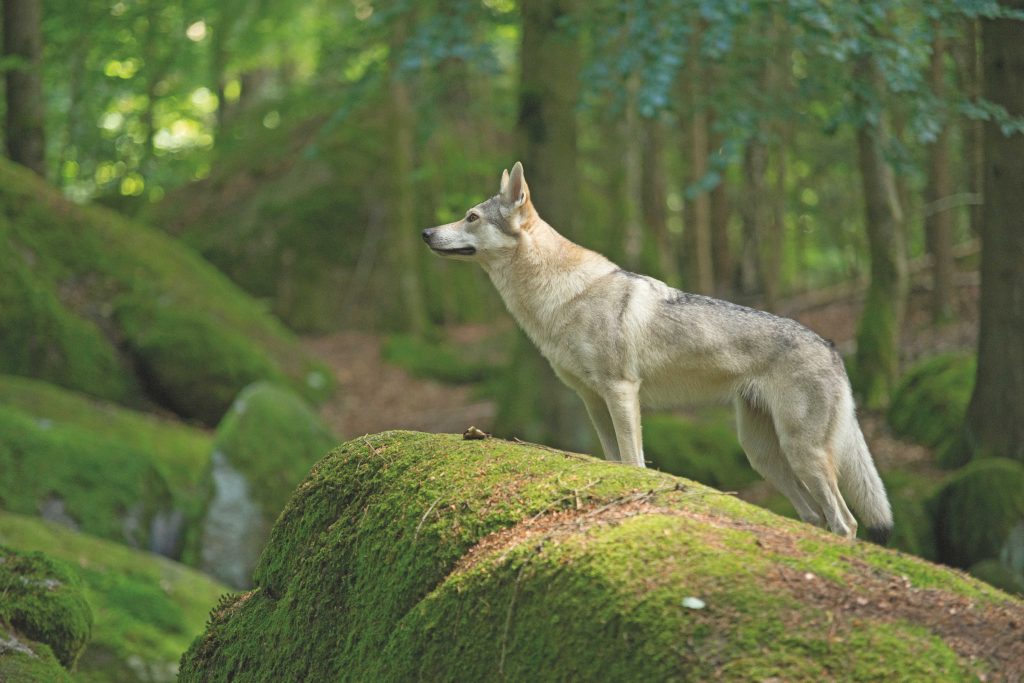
x: 491, y: 228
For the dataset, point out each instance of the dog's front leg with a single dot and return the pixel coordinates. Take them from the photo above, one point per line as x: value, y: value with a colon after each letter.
x: 598, y: 411
x: 623, y: 400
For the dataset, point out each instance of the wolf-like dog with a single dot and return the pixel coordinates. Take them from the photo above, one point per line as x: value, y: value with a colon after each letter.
x: 622, y: 340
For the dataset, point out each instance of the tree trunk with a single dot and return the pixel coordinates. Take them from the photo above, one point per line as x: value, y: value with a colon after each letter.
x: 969, y: 64
x: 938, y: 218
x: 878, y: 334
x: 534, y: 403
x: 754, y: 212
x: 403, y: 152
x: 653, y: 194
x: 701, y: 224
x: 632, y: 142
x: 25, y: 113
x: 721, y: 247
x: 995, y: 420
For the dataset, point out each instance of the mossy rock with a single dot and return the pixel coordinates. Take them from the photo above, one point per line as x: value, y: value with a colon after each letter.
x: 86, y: 296
x: 999, y: 575
x: 930, y: 405
x: 706, y: 449
x: 264, y: 447
x: 977, y: 511
x: 179, y: 453
x: 42, y: 603
x: 407, y: 556
x: 914, y: 528
x: 82, y: 478
x: 147, y: 609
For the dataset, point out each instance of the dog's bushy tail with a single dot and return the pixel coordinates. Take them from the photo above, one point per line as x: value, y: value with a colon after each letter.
x: 859, y: 479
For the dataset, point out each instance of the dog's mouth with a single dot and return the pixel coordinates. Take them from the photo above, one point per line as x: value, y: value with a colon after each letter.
x: 460, y: 251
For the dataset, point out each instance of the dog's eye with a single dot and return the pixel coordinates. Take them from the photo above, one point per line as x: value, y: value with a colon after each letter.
x: 472, y: 218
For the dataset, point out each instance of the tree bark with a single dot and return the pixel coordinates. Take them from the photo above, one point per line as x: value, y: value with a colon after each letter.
x: 653, y: 194
x: 878, y: 334
x: 754, y: 213
x: 25, y: 111
x: 721, y: 247
x: 969, y: 65
x: 701, y: 225
x: 995, y: 420
x: 403, y: 152
x: 938, y: 218
x: 534, y: 403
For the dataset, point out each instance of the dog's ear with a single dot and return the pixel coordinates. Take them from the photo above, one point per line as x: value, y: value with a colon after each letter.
x: 504, y: 181
x: 514, y: 191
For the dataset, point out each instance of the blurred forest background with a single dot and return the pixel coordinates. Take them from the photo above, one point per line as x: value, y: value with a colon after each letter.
x: 210, y: 265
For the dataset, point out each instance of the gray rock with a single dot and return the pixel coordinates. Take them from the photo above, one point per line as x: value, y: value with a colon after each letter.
x: 234, y: 528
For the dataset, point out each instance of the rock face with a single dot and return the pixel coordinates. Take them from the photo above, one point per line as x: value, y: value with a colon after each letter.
x: 264, y: 447
x: 407, y: 556
x: 44, y: 618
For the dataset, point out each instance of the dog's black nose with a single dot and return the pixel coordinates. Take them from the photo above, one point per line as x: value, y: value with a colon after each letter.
x: 427, y: 233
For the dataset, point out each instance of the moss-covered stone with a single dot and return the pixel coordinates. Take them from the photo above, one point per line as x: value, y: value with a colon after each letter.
x: 706, y: 449
x: 263, y: 448
x: 930, y: 404
x: 909, y: 494
x: 407, y: 556
x: 82, y: 478
x: 147, y: 609
x: 86, y: 295
x: 42, y: 601
x: 999, y: 575
x: 22, y: 661
x: 977, y: 510
x: 178, y: 452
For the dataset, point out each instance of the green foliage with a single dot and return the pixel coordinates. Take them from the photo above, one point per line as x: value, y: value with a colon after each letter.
x: 706, y: 450
x: 43, y: 601
x: 443, y: 559
x: 443, y: 361
x: 977, y: 509
x: 108, y: 282
x: 147, y: 609
x: 272, y: 437
x: 930, y: 405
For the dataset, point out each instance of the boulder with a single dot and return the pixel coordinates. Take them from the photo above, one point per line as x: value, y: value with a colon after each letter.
x: 97, y: 303
x: 408, y: 556
x: 147, y: 608
x: 263, y: 448
x: 44, y: 619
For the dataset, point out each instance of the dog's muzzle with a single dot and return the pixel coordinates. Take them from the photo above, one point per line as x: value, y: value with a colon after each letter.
x: 428, y: 234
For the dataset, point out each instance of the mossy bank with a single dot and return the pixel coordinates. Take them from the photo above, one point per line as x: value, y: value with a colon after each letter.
x: 144, y: 609
x: 407, y: 556
x: 97, y: 303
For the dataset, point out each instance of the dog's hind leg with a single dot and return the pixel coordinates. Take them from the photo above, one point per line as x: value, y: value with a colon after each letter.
x: 602, y: 419
x: 623, y: 400
x: 761, y: 444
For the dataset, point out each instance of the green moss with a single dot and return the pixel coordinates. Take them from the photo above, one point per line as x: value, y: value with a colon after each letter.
x: 39, y: 337
x: 877, y: 358
x: 703, y: 449
x: 43, y: 601
x: 106, y: 487
x: 98, y: 283
x: 930, y: 405
x: 376, y: 570
x: 147, y: 609
x: 977, y: 509
x: 914, y: 530
x: 272, y: 437
x: 22, y: 661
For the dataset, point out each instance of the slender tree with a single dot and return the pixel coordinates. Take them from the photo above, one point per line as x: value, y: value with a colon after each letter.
x: 23, y: 42
x: 995, y: 420
x: 878, y: 334
x: 403, y: 156
x: 535, y: 404
x: 938, y: 214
